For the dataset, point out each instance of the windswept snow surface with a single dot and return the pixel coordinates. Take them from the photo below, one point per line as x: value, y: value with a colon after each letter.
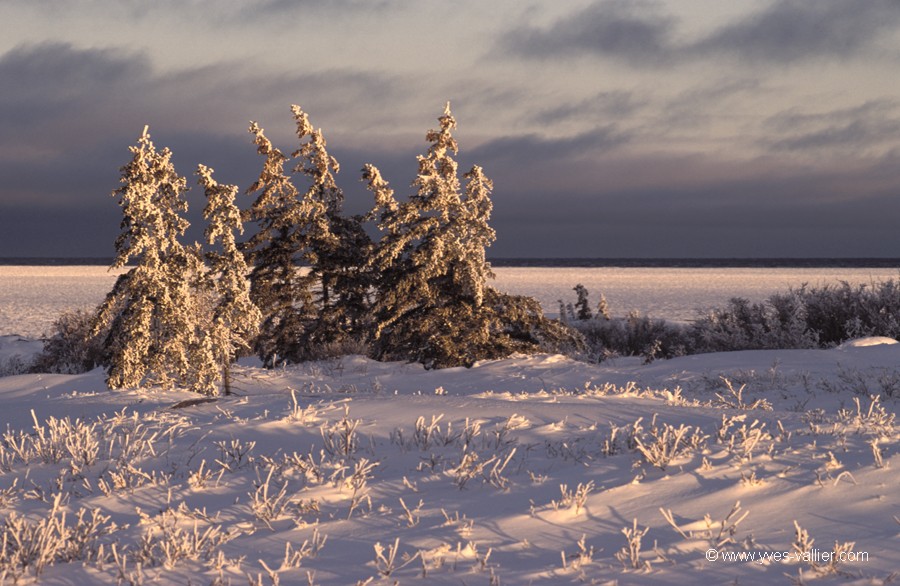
x: 518, y: 471
x: 867, y: 341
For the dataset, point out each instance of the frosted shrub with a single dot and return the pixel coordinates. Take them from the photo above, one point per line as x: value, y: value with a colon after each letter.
x: 666, y: 443
x: 386, y: 558
x: 872, y: 420
x: 14, y: 365
x: 168, y: 543
x: 843, y: 311
x: 778, y: 323
x: 635, y: 335
x: 469, y: 467
x: 235, y: 454
x: 125, y: 476
x: 71, y: 348
x: 806, y: 317
x: 30, y: 546
x: 34, y: 545
x: 302, y: 415
x: 358, y: 483
x: 306, y: 466
x: 803, y: 545
x: 426, y: 433
x: 56, y: 439
x: 581, y: 558
x: 801, y: 318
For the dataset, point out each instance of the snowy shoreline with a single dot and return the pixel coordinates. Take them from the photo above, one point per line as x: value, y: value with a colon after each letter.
x: 32, y: 297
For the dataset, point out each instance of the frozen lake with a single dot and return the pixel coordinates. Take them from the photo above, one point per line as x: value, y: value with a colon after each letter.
x: 31, y: 297
x: 671, y: 293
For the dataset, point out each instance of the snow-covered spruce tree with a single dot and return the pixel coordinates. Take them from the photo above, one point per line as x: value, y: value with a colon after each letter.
x: 337, y: 249
x: 582, y: 305
x: 234, y: 321
x: 433, y: 304
x: 416, y: 307
x: 149, y: 316
x: 603, y: 308
x: 278, y: 285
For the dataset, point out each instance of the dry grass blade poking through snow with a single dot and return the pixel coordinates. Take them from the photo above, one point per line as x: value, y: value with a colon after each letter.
x: 717, y: 533
x: 358, y: 482
x: 268, y: 506
x: 579, y: 559
x: 340, y: 439
x: 573, y: 500
x: 302, y: 415
x: 875, y: 420
x: 734, y: 398
x: 802, y: 548
x: 386, y: 559
x: 630, y: 555
x: 28, y: 545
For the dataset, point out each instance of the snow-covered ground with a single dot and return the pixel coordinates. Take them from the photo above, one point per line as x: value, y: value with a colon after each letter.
x: 530, y: 470
x: 31, y: 297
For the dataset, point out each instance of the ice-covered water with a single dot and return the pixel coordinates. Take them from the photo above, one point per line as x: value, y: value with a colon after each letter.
x: 672, y: 293
x: 31, y: 297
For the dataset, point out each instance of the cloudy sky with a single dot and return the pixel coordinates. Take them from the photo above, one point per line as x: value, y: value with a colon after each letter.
x: 612, y: 128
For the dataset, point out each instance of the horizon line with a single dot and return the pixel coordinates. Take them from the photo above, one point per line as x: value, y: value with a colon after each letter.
x: 576, y: 262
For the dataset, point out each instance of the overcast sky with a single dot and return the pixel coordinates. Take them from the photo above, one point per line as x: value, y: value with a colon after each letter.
x: 617, y: 128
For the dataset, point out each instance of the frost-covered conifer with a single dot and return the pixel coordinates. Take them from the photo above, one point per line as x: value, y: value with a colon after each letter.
x: 234, y: 321
x: 337, y: 246
x: 431, y: 260
x: 603, y: 308
x: 149, y: 315
x: 476, y: 235
x: 278, y: 285
x: 562, y: 311
x: 411, y: 259
x: 433, y: 304
x: 305, y: 311
x: 582, y: 305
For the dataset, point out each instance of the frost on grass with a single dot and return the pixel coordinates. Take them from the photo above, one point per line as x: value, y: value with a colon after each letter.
x: 530, y: 486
